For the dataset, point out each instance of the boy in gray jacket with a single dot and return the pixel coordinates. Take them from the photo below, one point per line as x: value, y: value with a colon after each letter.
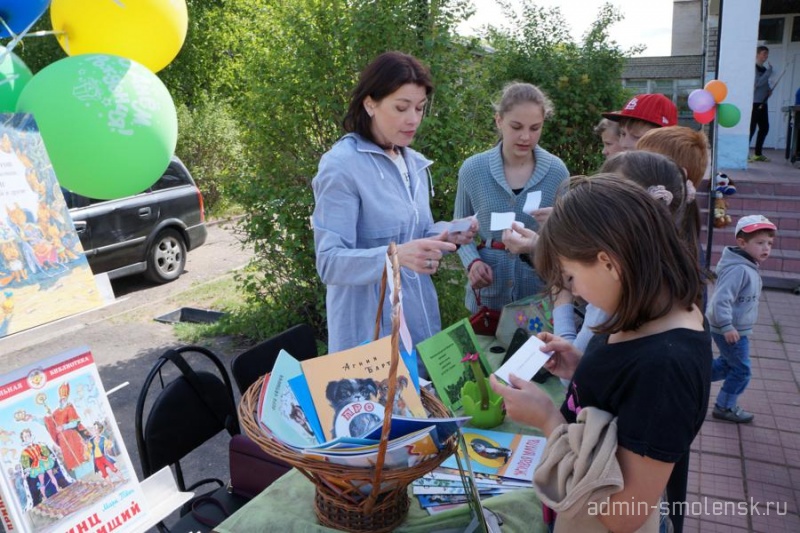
x: 733, y: 311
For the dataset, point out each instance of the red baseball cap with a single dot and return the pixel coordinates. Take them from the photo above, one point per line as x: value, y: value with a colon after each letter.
x: 653, y: 108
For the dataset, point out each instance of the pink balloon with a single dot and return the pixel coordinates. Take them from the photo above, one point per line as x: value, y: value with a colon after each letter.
x: 701, y: 100
x: 706, y: 116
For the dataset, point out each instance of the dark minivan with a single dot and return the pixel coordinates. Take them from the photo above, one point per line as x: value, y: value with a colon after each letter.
x: 148, y: 233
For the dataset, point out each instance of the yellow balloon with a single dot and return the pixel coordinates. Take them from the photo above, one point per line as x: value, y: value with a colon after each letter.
x: 150, y: 32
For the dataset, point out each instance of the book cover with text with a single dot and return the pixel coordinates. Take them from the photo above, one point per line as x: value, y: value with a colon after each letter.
x: 281, y: 412
x: 442, y: 355
x: 501, y: 454
x: 44, y: 274
x: 350, y: 389
x: 64, y: 463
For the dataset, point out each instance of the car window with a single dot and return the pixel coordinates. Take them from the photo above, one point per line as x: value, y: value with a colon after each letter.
x: 167, y: 181
x: 174, y: 176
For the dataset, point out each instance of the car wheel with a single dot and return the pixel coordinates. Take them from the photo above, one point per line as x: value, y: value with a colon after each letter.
x: 167, y: 257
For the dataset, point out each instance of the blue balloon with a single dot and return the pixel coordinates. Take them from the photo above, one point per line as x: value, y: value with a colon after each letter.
x: 19, y: 14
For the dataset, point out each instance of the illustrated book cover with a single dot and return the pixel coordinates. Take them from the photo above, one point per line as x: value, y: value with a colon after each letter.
x: 44, y: 274
x: 64, y: 463
x: 502, y: 454
x: 442, y: 355
x: 281, y: 412
x: 350, y: 388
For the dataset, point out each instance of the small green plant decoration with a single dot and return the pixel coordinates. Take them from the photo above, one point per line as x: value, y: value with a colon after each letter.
x: 478, y: 399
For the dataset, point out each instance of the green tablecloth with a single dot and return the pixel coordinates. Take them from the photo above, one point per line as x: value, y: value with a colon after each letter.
x: 288, y: 504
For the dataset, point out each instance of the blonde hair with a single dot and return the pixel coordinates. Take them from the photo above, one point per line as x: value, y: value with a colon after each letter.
x: 607, y: 125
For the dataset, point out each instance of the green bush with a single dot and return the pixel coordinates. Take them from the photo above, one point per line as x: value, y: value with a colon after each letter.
x: 211, y: 146
x: 582, y: 79
x: 312, y: 56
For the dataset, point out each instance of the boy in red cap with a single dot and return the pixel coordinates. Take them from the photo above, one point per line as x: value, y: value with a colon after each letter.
x: 641, y: 114
x: 733, y: 311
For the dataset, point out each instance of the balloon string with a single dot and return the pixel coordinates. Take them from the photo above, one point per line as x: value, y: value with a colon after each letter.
x: 9, y: 30
x: 16, y: 37
x: 42, y: 33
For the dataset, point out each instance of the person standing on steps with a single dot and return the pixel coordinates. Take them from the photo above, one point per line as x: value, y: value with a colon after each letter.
x: 761, y: 92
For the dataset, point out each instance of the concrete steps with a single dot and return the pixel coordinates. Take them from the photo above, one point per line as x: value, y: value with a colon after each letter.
x: 777, y: 197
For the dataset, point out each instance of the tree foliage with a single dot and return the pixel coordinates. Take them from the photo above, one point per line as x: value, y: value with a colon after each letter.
x: 210, y: 145
x: 313, y: 53
x: 261, y: 87
x: 582, y: 79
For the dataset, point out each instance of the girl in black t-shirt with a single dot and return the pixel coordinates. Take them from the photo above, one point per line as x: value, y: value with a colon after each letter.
x: 649, y: 364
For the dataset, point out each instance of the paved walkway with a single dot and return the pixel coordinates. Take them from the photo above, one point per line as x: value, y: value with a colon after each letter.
x: 747, y: 477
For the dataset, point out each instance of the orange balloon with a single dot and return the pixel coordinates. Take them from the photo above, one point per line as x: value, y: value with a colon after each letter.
x: 718, y: 90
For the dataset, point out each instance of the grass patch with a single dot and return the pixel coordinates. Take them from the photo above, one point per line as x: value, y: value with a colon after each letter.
x: 222, y: 294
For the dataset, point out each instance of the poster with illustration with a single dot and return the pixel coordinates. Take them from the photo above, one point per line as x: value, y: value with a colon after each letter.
x: 63, y: 463
x: 44, y: 274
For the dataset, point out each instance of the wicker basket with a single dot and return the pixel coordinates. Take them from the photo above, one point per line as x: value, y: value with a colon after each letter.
x: 342, y: 501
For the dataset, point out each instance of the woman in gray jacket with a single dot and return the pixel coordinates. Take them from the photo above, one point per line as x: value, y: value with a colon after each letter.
x: 372, y: 189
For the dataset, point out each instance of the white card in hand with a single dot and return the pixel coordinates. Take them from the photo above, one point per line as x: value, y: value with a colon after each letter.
x: 462, y: 224
x: 525, y: 362
x: 532, y: 202
x: 441, y: 226
x: 501, y: 221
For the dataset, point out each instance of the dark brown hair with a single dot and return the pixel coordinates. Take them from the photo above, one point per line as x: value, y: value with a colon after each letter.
x: 387, y: 73
x: 650, y: 169
x: 603, y: 213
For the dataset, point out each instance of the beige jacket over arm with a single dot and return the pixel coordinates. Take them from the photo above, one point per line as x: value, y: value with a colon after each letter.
x: 579, y: 471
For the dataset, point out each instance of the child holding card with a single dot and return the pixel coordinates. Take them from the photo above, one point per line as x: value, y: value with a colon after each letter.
x: 502, y: 180
x: 649, y: 366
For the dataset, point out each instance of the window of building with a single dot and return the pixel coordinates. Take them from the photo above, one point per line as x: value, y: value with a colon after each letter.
x: 770, y: 31
x: 637, y: 86
x: 796, y: 29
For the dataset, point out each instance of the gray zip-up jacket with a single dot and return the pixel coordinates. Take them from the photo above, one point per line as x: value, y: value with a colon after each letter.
x: 761, y: 85
x: 362, y: 204
x: 734, y: 304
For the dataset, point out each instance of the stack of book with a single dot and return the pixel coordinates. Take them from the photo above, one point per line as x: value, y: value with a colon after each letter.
x: 332, y: 408
x: 500, y: 462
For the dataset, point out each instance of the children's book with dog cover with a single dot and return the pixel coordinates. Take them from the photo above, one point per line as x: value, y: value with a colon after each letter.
x: 350, y: 389
x: 64, y: 463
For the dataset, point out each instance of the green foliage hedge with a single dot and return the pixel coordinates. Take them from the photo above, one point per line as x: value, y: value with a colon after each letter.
x: 261, y: 87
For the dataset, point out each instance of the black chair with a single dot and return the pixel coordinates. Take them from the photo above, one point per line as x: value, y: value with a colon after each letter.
x: 250, y: 365
x: 187, y: 412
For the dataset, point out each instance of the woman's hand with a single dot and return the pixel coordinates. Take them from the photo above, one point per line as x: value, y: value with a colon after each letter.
x: 519, y: 239
x: 541, y: 215
x: 480, y: 275
x: 565, y: 356
x: 526, y: 403
x: 464, y: 237
x: 423, y: 255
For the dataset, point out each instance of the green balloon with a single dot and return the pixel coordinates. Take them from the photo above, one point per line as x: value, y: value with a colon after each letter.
x: 728, y: 115
x: 108, y: 123
x: 14, y: 75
